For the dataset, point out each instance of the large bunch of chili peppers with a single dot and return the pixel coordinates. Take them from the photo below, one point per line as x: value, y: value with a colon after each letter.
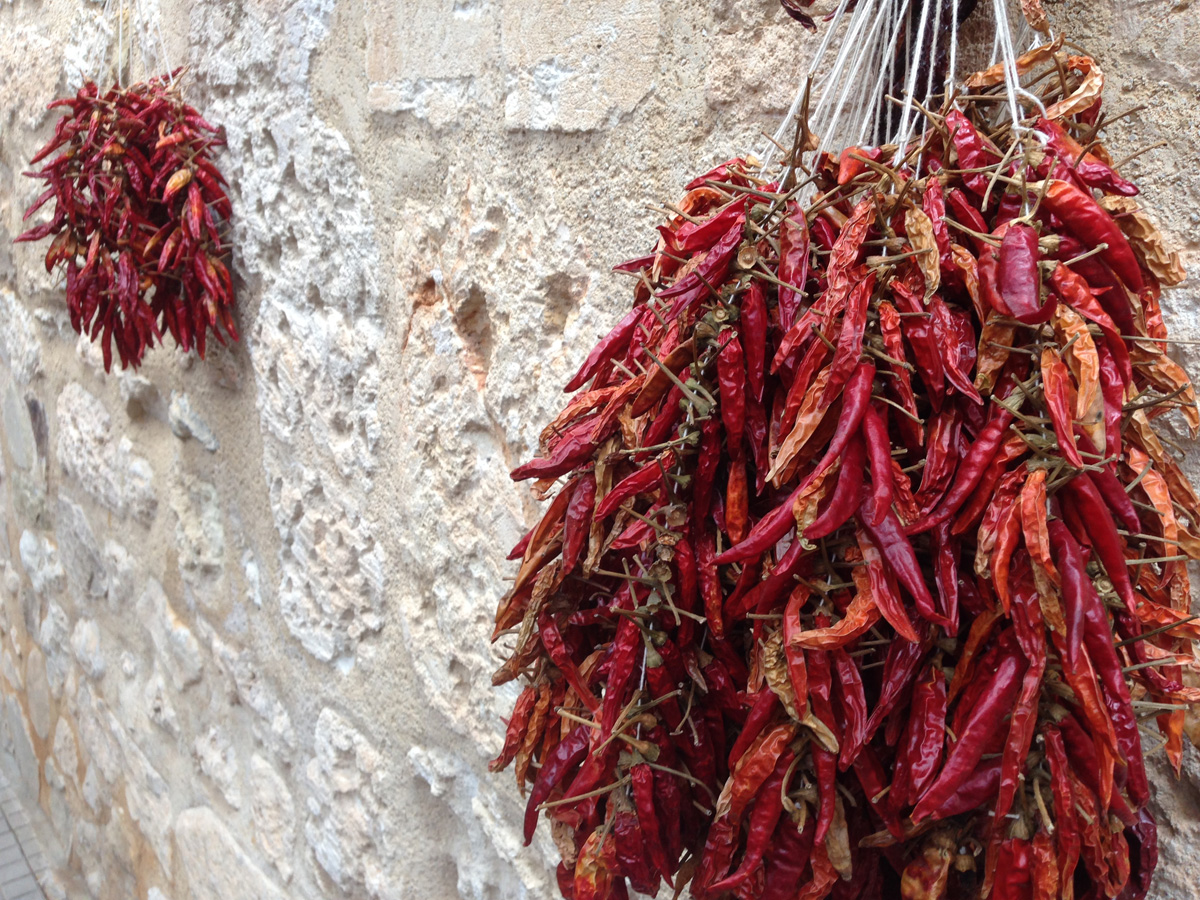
x: 864, y: 565
x: 137, y: 202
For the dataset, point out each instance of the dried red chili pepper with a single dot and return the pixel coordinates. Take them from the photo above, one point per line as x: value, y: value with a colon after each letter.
x: 1091, y: 223
x: 985, y: 719
x: 566, y: 756
x: 793, y: 262
x: 753, y: 313
x: 1019, y: 280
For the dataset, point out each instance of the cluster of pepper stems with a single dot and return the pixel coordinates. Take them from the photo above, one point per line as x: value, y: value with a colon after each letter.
x: 865, y: 567
x: 138, y: 210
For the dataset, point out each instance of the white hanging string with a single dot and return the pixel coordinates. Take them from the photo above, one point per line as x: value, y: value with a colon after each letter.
x: 849, y: 107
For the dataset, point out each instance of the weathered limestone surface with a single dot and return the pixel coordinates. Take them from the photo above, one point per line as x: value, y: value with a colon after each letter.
x: 246, y: 602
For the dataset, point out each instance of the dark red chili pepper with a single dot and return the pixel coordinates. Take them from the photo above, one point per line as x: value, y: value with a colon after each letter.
x: 753, y: 318
x: 849, y: 344
x: 1014, y: 878
x: 919, y: 754
x: 642, y: 777
x: 629, y: 838
x: 901, y: 381
x: 693, y: 236
x: 977, y: 790
x: 515, y: 733
x: 766, y: 702
x: 708, y: 274
x: 1083, y: 165
x: 898, y: 551
x: 970, y: 471
x: 968, y: 215
x: 1031, y: 635
x: 1113, y: 390
x: 578, y: 520
x: 1085, y: 612
x: 566, y: 756
x: 855, y: 399
x: 1019, y: 280
x: 765, y: 594
x: 793, y: 262
x: 766, y: 533
x: 946, y: 550
x: 884, y: 591
x: 731, y: 376
x: 955, y: 339
x: 879, y: 454
x: 556, y: 649
x: 787, y: 861
x: 846, y: 493
x: 608, y: 348
x: 576, y: 446
x: 1102, y: 532
x: 974, y: 152
x: 710, y: 586
x: 917, y: 328
x: 854, y: 708
x: 984, y: 721
x: 1087, y: 220
x: 768, y: 806
x: 900, y: 667
x: 705, y: 473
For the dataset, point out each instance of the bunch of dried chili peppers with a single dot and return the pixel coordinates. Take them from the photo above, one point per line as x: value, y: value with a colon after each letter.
x: 138, y: 211
x: 864, y: 566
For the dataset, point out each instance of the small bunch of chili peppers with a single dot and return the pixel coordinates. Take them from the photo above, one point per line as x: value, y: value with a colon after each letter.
x: 864, y: 566
x: 138, y: 210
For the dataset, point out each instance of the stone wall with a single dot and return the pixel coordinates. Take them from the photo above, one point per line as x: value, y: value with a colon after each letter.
x: 246, y: 602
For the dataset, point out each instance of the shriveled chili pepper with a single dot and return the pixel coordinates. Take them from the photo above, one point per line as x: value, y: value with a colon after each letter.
x: 612, y: 345
x: 854, y: 708
x: 970, y: 471
x: 846, y: 494
x: 754, y: 337
x: 883, y: 590
x: 761, y: 712
x: 766, y: 533
x: 763, y: 818
x: 919, y: 753
x: 793, y: 654
x: 898, y: 551
x: 879, y: 453
x: 856, y: 397
x: 578, y: 520
x: 642, y: 778
x: 900, y: 667
x: 977, y: 789
x: 793, y: 262
x: 901, y: 381
x: 983, y: 722
x: 557, y: 651
x: 1019, y: 279
x: 1057, y: 389
x: 1085, y: 612
x: 1083, y: 217
x: 630, y: 854
x: 787, y: 861
x: 566, y: 756
x: 1083, y: 164
x: 849, y: 343
x: 576, y: 445
x: 1014, y: 873
x: 1083, y: 494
